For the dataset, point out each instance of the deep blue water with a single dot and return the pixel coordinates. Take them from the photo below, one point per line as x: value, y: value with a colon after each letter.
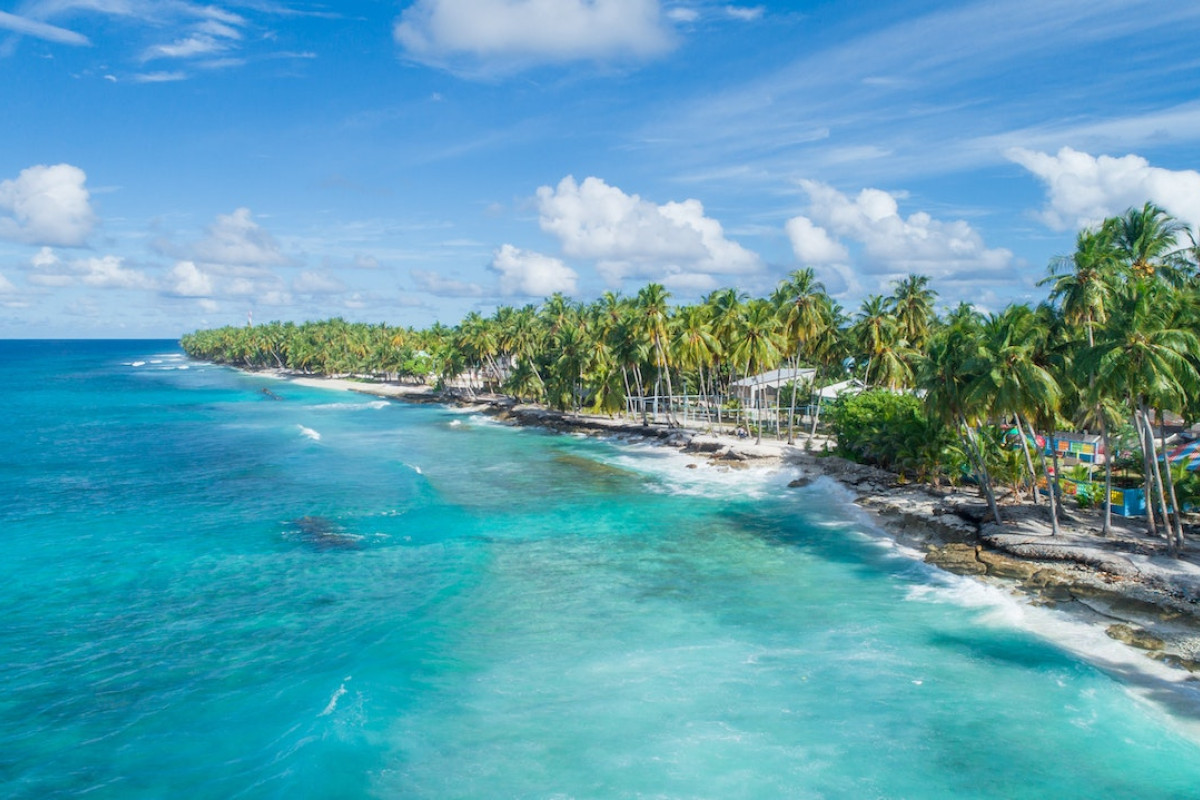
x: 208, y: 593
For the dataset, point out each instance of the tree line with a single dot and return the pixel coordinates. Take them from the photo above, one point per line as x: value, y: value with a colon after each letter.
x: 1113, y: 348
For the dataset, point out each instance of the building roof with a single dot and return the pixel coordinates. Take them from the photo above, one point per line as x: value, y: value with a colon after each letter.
x: 776, y: 378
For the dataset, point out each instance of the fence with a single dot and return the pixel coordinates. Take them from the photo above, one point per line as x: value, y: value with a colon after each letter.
x: 706, y: 411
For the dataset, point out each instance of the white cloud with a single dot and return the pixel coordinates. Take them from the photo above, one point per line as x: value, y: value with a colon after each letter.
x: 632, y: 237
x: 517, y: 33
x: 530, y: 274
x: 681, y: 14
x: 6, y: 286
x: 106, y: 272
x: 1084, y: 189
x: 435, y: 284
x: 308, y: 282
x: 813, y: 244
x: 198, y: 45
x: 47, y: 206
x: 40, y: 30
x: 745, y: 13
x: 159, y: 77
x: 893, y: 245
x: 187, y: 280
x: 109, y: 273
x: 237, y: 240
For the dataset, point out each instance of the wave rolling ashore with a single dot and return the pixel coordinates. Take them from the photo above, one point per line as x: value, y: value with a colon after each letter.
x: 1126, y: 584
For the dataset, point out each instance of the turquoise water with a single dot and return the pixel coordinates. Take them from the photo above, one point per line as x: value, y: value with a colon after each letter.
x: 212, y: 594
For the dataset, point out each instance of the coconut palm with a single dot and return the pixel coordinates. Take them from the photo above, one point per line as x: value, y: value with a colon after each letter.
x: 1144, y: 356
x: 758, y: 346
x: 803, y: 307
x: 944, y: 374
x: 1009, y: 381
x: 912, y: 305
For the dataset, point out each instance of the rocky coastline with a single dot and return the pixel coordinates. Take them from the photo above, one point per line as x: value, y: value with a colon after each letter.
x: 1125, y: 583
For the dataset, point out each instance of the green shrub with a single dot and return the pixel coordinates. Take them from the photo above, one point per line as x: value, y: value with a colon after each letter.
x: 891, y: 430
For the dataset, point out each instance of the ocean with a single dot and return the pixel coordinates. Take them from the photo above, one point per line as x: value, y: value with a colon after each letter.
x: 208, y: 592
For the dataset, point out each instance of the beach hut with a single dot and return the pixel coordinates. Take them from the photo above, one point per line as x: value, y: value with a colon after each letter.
x: 768, y: 384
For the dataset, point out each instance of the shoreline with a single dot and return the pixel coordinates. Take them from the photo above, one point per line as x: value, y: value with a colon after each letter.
x: 1124, y: 585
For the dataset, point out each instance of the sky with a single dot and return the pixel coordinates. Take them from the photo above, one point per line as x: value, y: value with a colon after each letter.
x: 169, y: 165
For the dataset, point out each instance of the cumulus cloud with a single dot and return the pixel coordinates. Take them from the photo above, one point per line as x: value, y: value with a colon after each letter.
x: 187, y: 280
x: 1083, y: 189
x: 105, y: 272
x: 517, y: 33
x: 46, y: 206
x: 530, y: 274
x: 631, y: 237
x: 435, y: 284
x: 6, y: 286
x: 890, y: 244
x: 813, y: 244
x: 236, y: 240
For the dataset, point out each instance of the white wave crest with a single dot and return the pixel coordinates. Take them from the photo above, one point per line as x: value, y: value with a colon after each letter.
x: 333, y: 701
x: 374, y: 404
x: 310, y: 433
x: 138, y: 364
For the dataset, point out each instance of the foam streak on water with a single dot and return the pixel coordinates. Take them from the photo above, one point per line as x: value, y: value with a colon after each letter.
x: 200, y: 600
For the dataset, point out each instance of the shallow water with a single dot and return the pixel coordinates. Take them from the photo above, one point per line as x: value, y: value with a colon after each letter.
x: 210, y: 593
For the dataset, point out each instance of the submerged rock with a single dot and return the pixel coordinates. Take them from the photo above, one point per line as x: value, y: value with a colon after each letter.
x: 322, y: 533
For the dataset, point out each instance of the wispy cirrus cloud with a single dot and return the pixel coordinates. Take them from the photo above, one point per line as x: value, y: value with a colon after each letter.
x: 40, y: 30
x: 924, y: 111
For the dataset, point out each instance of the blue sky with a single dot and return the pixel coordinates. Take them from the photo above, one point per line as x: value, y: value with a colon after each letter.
x: 172, y: 165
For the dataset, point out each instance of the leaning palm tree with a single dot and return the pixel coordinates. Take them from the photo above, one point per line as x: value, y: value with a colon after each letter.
x: 1009, y: 381
x: 1144, y: 356
x: 944, y: 373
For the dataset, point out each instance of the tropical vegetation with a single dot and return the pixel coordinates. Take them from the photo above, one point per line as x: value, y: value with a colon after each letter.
x: 955, y: 396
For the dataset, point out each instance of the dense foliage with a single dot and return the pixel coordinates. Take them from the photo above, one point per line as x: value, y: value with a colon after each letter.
x: 1113, y: 347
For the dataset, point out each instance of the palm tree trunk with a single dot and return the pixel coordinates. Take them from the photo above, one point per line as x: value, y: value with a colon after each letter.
x: 1053, y: 501
x: 982, y: 470
x: 792, y: 406
x: 1177, y: 517
x: 1033, y: 487
x: 816, y: 416
x: 1148, y: 435
x: 1106, y: 530
x: 1148, y: 469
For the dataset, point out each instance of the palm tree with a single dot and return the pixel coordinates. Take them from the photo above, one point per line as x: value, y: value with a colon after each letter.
x: 878, y: 335
x: 654, y: 315
x: 1144, y: 239
x: 1143, y: 355
x: 1082, y: 284
x: 803, y: 305
x: 694, y: 346
x: 944, y: 373
x: 1008, y: 380
x: 758, y: 346
x: 912, y: 305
